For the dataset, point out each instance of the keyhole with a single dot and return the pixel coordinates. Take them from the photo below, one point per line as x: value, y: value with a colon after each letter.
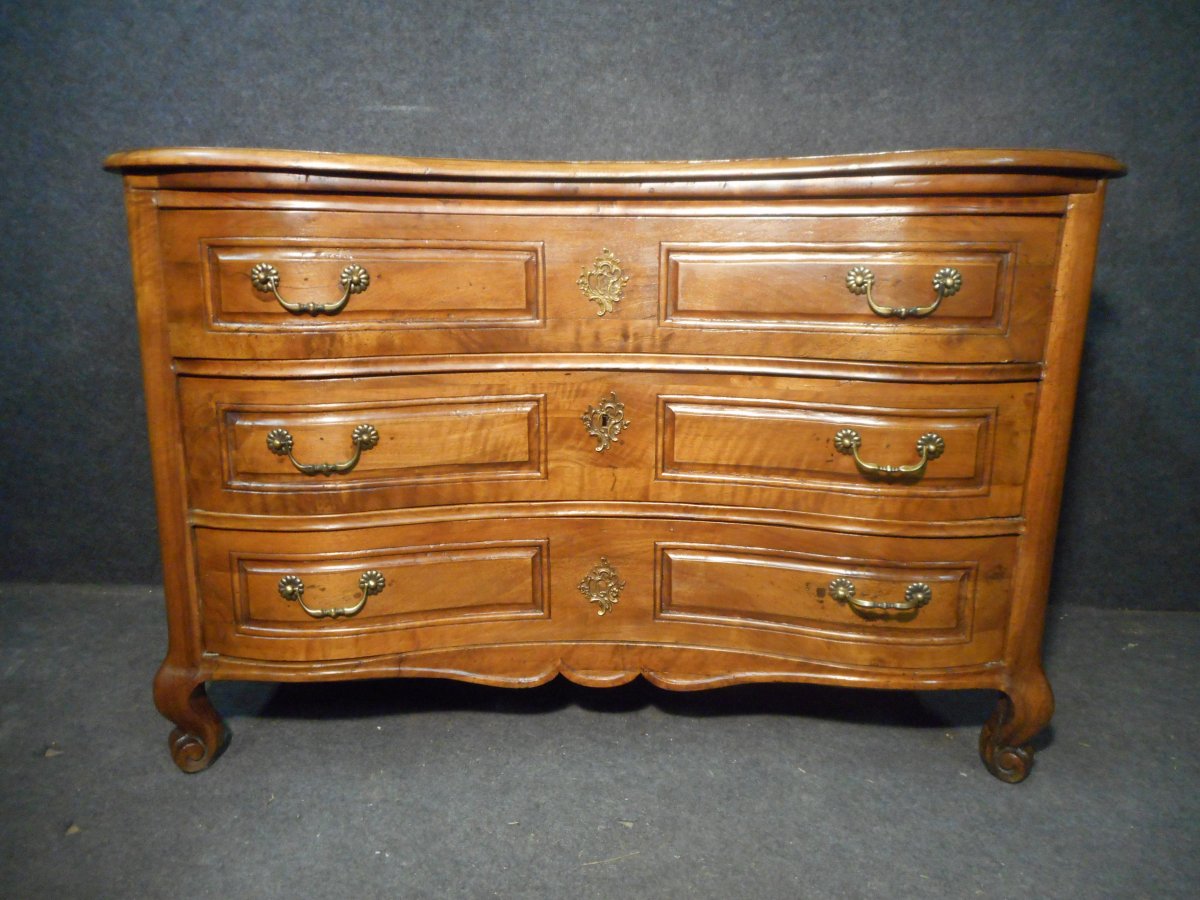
x: 603, y: 420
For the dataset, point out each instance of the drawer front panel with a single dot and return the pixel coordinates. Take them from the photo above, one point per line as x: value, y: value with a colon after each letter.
x: 779, y: 287
x: 757, y: 442
x: 423, y: 582
x: 439, y: 439
x: 781, y: 590
x: 787, y: 443
x: 761, y: 589
x: 467, y: 283
x: 416, y: 284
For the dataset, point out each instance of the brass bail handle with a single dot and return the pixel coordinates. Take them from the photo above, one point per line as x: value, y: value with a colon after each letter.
x: 364, y: 437
x: 264, y: 277
x: 916, y: 595
x: 946, y: 283
x: 371, y: 582
x: 930, y: 446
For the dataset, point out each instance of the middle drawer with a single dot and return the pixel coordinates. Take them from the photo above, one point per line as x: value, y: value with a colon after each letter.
x: 885, y: 450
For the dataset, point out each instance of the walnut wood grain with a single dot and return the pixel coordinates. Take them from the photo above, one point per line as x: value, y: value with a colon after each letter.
x: 578, y: 201
x: 666, y: 665
x: 412, y: 283
x: 799, y: 305
x: 928, y: 373
x: 307, y: 162
x: 475, y: 583
x: 762, y: 442
x: 725, y: 509
x: 1027, y: 703
x: 200, y: 735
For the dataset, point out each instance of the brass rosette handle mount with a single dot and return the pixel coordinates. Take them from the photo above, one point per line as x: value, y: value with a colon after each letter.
x: 364, y: 437
x: 264, y: 277
x: 930, y: 446
x: 370, y: 583
x: 946, y: 283
x: 916, y: 595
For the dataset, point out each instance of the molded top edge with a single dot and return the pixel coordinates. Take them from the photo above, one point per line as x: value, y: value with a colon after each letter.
x: 1070, y: 162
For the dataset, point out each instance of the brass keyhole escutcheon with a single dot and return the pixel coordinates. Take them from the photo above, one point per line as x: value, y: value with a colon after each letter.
x: 605, y: 421
x: 604, y: 283
x: 602, y: 586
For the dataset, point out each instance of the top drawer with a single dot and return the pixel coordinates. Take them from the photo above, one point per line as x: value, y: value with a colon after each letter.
x: 296, y: 283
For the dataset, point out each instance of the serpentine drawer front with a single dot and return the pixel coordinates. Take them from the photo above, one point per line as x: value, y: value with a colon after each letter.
x: 449, y: 586
x: 302, y: 446
x: 287, y: 283
x: 793, y: 420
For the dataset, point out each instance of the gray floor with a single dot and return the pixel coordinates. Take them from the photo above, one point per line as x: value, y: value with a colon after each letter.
x: 431, y: 789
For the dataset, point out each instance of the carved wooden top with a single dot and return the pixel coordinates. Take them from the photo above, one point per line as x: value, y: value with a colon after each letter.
x: 885, y: 172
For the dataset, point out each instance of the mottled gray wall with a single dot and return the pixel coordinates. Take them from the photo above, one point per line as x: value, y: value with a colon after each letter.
x: 588, y: 80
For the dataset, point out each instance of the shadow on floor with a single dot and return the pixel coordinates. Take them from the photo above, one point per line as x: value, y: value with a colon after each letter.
x: 382, y: 697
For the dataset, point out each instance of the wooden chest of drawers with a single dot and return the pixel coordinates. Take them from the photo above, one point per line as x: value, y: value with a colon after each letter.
x: 775, y: 420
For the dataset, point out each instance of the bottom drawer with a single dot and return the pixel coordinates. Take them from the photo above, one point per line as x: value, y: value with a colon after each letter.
x: 891, y: 602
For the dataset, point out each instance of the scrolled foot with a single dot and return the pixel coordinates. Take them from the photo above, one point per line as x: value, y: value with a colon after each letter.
x: 1022, y: 711
x: 191, y: 753
x: 1007, y: 763
x: 200, y: 736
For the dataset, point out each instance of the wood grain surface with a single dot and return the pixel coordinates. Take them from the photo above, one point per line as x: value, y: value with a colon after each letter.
x: 719, y: 517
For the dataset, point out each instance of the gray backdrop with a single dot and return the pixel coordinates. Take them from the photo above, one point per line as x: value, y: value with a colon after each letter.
x: 589, y: 80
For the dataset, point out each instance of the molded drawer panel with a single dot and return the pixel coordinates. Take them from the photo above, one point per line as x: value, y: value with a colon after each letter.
x: 491, y: 283
x: 411, y: 284
x: 758, y: 442
x: 780, y: 287
x: 525, y: 580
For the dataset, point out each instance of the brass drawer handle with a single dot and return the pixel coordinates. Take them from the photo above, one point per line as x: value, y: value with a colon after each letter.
x: 916, y: 595
x: 605, y: 421
x: 370, y: 583
x: 280, y: 442
x: 930, y: 446
x: 946, y: 283
x: 265, y: 278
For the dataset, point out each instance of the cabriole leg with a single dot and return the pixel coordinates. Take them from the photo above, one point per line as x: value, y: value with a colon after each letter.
x: 200, y: 735
x: 1023, y: 710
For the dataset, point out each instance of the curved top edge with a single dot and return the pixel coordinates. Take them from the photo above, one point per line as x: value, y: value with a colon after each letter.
x: 865, y: 164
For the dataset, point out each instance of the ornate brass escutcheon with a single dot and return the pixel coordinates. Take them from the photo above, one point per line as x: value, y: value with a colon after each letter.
x: 916, y: 595
x: 264, y: 277
x: 604, y: 283
x: 930, y: 446
x: 364, y: 437
x: 371, y: 582
x: 602, y: 586
x: 946, y: 283
x: 605, y: 421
